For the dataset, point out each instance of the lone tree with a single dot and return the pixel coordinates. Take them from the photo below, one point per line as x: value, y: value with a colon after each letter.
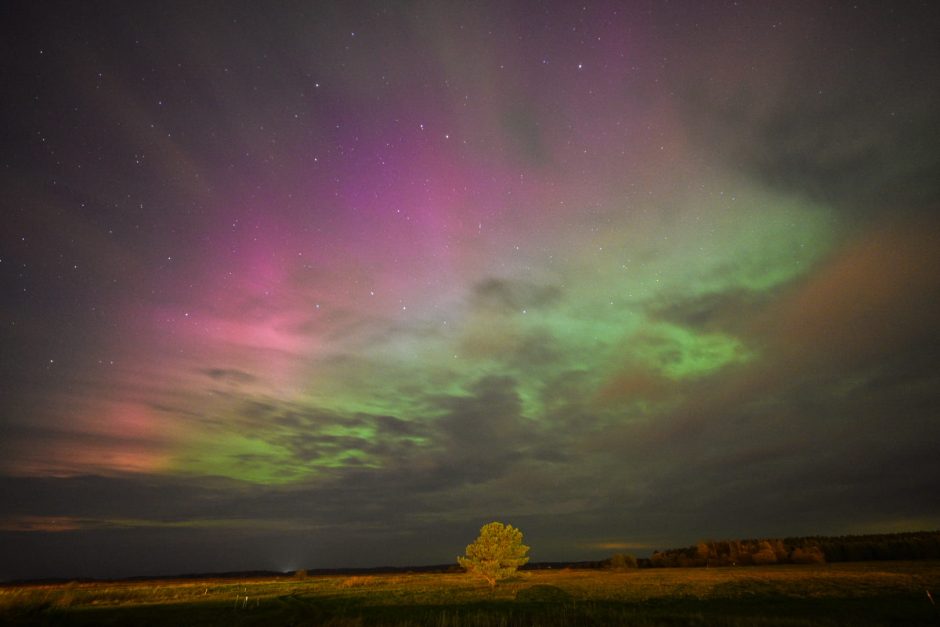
x: 496, y: 554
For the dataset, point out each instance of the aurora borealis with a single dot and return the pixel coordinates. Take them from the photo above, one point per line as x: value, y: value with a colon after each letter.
x: 324, y: 285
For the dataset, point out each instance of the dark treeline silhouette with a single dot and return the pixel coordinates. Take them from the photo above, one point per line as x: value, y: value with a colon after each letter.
x: 804, y: 550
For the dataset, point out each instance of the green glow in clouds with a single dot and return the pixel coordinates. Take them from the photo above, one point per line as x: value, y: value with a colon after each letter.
x: 588, y: 309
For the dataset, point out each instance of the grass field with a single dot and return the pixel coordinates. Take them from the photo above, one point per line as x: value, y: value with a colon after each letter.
x: 866, y: 593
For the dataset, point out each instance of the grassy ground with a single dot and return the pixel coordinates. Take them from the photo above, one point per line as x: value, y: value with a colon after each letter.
x: 873, y: 593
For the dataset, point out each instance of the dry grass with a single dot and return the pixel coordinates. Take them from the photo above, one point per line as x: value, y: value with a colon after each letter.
x: 787, y: 594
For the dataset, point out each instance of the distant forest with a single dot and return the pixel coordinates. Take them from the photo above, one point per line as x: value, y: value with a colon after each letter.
x: 805, y: 550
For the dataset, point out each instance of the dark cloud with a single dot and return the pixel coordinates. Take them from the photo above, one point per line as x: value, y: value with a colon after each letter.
x: 477, y: 440
x: 396, y: 426
x: 846, y: 117
x: 722, y: 312
x: 484, y: 433
x: 230, y: 375
x: 756, y: 462
x: 512, y: 296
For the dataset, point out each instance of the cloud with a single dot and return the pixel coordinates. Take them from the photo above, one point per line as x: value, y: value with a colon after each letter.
x: 230, y: 375
x: 728, y: 311
x: 511, y: 296
x: 847, y: 118
x: 877, y: 293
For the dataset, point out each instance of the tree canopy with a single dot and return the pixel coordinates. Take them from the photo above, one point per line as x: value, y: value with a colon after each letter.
x: 496, y: 554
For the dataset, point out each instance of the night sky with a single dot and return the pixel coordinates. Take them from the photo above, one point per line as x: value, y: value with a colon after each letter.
x: 299, y: 285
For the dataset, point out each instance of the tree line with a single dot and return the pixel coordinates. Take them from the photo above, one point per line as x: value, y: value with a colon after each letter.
x: 798, y: 550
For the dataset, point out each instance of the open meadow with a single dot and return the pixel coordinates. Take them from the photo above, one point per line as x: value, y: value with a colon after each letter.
x: 870, y: 593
